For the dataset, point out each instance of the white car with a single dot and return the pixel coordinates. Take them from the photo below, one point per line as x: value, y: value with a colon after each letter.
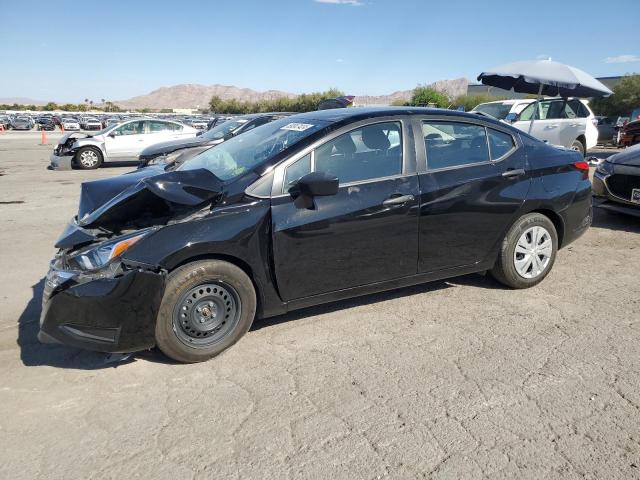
x: 70, y: 124
x: 566, y: 122
x: 120, y: 142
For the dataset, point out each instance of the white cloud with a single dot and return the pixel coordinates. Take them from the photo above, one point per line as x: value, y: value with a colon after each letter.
x: 623, y: 59
x: 353, y: 3
x: 340, y: 60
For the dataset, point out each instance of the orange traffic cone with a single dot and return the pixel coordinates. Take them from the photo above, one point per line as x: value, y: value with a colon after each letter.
x: 1, y: 128
x: 43, y: 137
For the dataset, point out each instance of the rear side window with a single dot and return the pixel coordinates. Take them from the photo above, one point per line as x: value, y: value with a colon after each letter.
x: 373, y: 151
x: 500, y: 143
x: 454, y: 144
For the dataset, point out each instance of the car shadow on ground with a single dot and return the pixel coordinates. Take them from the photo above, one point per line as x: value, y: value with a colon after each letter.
x: 615, y: 221
x: 350, y: 303
x: 33, y: 353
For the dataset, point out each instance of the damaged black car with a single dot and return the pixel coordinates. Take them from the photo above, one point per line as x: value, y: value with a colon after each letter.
x: 616, y: 182
x: 304, y: 210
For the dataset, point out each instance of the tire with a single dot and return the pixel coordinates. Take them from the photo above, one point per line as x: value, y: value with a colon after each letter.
x: 88, y: 158
x: 190, y: 327
x: 506, y: 269
x: 578, y: 147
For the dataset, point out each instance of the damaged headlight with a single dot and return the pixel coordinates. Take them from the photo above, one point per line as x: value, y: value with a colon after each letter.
x: 604, y: 168
x: 100, y: 255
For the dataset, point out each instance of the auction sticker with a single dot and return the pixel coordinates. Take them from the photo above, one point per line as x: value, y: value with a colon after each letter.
x: 297, y: 127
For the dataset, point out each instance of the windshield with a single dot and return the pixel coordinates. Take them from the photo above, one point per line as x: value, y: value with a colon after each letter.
x: 219, y: 131
x: 245, y: 152
x: 496, y: 110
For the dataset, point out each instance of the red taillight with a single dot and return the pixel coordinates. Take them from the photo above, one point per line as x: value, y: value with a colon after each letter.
x: 582, y: 166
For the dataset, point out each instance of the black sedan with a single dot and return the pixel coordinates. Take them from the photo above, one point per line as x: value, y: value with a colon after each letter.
x: 616, y: 182
x: 45, y: 123
x: 168, y: 152
x: 307, y: 209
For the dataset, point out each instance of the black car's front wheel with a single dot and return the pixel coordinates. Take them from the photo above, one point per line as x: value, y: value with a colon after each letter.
x: 527, y: 253
x: 207, y: 307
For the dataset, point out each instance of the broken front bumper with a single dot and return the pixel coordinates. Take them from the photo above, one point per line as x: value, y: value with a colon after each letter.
x: 63, y: 162
x: 103, y: 314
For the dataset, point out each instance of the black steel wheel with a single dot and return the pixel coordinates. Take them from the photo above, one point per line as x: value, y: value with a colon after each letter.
x: 207, y: 306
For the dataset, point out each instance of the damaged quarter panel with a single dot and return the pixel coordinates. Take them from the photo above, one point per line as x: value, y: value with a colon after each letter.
x: 238, y: 233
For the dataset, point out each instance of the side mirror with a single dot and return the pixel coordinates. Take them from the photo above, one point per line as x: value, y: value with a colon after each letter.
x: 315, y: 184
x: 511, y: 117
x: 112, y: 134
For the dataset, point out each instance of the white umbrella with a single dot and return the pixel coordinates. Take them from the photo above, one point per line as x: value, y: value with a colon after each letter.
x: 544, y: 77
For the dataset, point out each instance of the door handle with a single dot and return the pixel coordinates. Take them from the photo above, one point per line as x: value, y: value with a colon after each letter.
x: 513, y: 172
x: 398, y: 200
x: 549, y: 127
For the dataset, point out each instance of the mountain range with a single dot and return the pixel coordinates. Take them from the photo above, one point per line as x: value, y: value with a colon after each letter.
x: 194, y: 95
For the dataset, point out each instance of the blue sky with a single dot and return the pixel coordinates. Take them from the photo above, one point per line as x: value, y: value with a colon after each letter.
x: 66, y: 51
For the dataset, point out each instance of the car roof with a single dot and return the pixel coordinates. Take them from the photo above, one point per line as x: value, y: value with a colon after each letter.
x: 362, y: 113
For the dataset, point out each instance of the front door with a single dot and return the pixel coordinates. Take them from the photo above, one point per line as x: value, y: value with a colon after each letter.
x: 472, y: 186
x: 367, y: 233
x: 548, y: 123
x: 127, y: 140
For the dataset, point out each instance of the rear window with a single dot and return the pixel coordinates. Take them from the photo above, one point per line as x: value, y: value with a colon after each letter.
x: 496, y: 110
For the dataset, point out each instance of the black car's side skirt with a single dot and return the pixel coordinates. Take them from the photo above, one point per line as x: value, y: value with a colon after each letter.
x: 386, y: 285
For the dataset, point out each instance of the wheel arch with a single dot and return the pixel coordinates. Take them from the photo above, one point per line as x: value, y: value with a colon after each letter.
x: 557, y: 221
x: 238, y: 262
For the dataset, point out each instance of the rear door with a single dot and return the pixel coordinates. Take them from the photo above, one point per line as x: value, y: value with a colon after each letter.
x: 473, y: 183
x: 368, y: 232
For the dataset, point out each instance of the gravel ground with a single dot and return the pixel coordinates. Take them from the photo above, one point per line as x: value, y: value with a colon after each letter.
x: 453, y: 379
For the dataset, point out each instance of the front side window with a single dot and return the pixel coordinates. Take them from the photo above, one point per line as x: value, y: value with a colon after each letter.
x: 454, y: 144
x: 131, y: 128
x: 373, y: 151
x: 295, y: 171
x: 546, y: 110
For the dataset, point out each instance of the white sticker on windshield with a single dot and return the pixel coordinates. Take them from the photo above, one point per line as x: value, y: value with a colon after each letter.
x: 298, y: 127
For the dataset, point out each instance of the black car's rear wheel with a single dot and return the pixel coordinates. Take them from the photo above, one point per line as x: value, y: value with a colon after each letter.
x: 207, y: 306
x: 527, y: 253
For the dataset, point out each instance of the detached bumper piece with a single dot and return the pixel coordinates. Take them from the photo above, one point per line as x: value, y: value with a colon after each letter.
x: 61, y: 162
x: 106, y: 314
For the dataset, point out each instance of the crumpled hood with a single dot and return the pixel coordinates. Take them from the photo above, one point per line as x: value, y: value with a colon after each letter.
x: 144, y: 197
x: 629, y: 156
